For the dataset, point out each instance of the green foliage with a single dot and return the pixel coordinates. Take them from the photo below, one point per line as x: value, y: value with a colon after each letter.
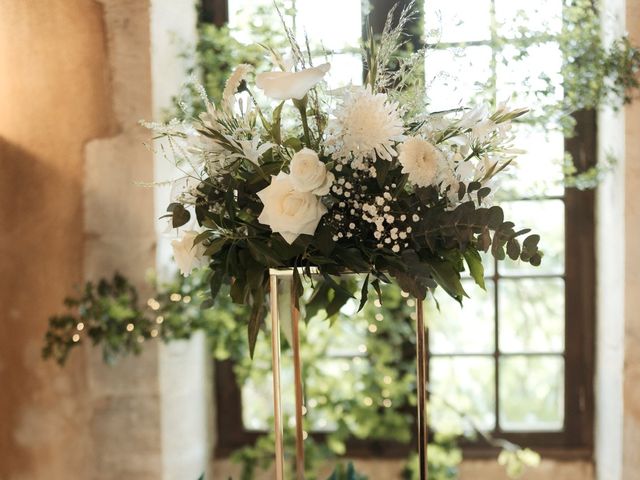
x: 596, y: 73
x: 109, y: 314
x: 443, y: 460
x: 218, y: 51
x: 516, y: 461
x: 346, y: 473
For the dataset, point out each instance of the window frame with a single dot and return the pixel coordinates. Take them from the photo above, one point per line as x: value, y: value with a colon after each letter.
x: 576, y: 440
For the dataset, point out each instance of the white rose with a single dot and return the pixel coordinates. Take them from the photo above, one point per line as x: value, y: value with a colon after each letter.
x: 286, y: 85
x: 420, y: 159
x: 187, y: 255
x: 288, y: 211
x: 309, y: 174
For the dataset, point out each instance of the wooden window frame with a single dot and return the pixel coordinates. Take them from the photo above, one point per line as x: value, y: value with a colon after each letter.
x: 576, y: 440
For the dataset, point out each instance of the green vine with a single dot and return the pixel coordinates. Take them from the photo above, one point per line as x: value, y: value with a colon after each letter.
x: 596, y: 74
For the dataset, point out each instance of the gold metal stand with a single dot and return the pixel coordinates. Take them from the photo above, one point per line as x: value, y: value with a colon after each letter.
x: 421, y: 379
x: 275, y: 274
x: 275, y: 358
x: 421, y: 384
x: 297, y: 375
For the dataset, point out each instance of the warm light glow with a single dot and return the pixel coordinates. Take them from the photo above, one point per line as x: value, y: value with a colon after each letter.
x: 130, y: 327
x: 386, y: 402
x: 387, y: 379
x: 372, y: 328
x: 154, y: 333
x: 186, y: 299
x: 368, y: 401
x: 80, y: 326
x: 75, y: 338
x: 362, y: 348
x: 159, y: 319
x: 175, y: 297
x: 153, y: 304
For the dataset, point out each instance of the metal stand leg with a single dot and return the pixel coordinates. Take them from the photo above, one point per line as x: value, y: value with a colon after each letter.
x: 297, y: 372
x: 275, y: 356
x: 421, y: 383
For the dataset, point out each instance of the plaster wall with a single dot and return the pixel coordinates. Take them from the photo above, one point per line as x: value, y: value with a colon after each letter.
x: 55, y: 96
x: 631, y: 395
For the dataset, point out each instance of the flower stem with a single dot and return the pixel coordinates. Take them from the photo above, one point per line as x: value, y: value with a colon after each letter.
x: 301, y: 105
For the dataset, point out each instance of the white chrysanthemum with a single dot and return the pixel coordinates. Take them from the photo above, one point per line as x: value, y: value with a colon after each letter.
x: 233, y: 82
x: 365, y: 124
x: 420, y: 160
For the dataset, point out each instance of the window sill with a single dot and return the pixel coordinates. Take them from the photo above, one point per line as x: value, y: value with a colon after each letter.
x: 547, y: 453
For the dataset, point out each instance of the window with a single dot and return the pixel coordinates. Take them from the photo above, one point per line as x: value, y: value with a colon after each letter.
x: 520, y: 352
x: 518, y: 358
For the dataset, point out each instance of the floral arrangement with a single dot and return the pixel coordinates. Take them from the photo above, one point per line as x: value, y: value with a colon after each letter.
x: 284, y: 173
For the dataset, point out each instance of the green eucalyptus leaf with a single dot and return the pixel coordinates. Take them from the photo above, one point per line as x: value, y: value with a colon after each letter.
x: 448, y: 278
x: 179, y: 215
x: 215, y: 246
x: 513, y: 249
x: 364, y: 293
x: 476, y: 268
x: 275, y: 125
x: 255, y: 319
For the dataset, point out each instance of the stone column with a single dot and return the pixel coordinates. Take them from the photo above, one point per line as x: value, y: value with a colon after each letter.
x: 618, y: 336
x: 120, y: 236
x: 631, y: 397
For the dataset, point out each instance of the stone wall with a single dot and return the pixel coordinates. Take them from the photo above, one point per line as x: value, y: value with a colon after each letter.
x: 55, y: 96
x: 631, y: 389
x: 76, y: 80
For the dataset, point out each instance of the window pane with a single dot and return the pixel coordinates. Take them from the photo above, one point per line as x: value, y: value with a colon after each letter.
x: 453, y: 329
x: 346, y: 69
x: 532, y: 315
x: 530, y: 77
x: 456, y: 76
x: 331, y: 382
x: 538, y: 171
x: 465, y: 383
x: 313, y: 18
x: 532, y: 393
x: 459, y: 20
x: 257, y: 411
x: 245, y: 17
x: 539, y: 16
x: 545, y: 218
x: 343, y: 337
